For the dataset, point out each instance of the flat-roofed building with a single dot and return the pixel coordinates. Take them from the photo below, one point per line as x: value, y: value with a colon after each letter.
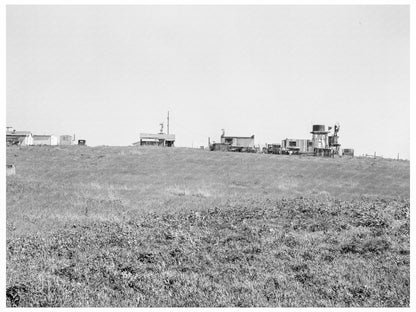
x: 238, y: 143
x: 297, y: 145
x: 158, y: 139
x: 45, y: 139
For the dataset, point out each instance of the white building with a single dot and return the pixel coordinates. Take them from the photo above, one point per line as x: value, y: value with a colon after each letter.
x: 19, y: 138
x: 65, y: 140
x: 45, y: 139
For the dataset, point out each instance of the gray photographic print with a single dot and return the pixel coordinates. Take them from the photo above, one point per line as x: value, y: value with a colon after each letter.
x: 207, y: 156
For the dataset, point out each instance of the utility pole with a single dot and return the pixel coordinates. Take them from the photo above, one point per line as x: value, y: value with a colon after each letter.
x: 168, y: 122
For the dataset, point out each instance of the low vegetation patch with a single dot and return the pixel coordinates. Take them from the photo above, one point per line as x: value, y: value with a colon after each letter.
x: 286, y: 252
x: 178, y: 227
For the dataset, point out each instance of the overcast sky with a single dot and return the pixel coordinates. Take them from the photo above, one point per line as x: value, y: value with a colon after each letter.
x: 107, y: 73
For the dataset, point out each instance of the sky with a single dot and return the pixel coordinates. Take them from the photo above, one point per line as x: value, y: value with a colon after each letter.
x: 108, y: 73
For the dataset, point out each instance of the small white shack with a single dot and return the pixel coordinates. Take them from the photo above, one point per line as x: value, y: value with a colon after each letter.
x: 65, y: 140
x: 45, y: 139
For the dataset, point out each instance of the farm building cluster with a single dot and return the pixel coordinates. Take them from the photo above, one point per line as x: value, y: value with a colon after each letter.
x: 27, y: 138
x: 323, y: 143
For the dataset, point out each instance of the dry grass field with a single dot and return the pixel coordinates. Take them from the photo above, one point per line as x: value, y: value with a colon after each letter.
x: 129, y: 226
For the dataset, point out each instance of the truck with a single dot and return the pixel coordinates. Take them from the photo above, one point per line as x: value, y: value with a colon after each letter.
x: 272, y: 149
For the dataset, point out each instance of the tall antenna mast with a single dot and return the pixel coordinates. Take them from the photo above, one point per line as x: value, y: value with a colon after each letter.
x: 168, y: 122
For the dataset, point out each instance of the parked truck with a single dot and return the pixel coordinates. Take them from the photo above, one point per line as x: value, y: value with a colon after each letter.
x: 272, y: 149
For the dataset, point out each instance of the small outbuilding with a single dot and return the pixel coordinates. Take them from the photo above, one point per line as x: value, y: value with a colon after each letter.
x: 65, y: 140
x: 297, y: 145
x: 45, y: 139
x: 159, y: 139
x: 237, y: 143
x: 22, y: 138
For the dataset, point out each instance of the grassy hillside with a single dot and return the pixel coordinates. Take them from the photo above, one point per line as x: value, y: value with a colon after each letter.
x: 124, y: 226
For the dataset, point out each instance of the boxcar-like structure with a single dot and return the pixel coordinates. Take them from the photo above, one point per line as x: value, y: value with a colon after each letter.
x: 296, y: 146
x: 238, y: 143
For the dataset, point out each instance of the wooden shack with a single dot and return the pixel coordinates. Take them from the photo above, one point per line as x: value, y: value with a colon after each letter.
x: 22, y: 138
x: 297, y: 145
x: 158, y: 139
